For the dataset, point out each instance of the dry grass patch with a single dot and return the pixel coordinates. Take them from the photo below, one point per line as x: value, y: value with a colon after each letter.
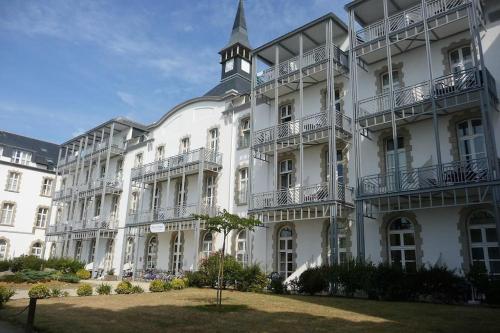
x: 193, y: 310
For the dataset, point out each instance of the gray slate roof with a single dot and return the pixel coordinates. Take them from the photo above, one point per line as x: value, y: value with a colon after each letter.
x: 236, y: 82
x: 43, y: 152
x: 239, y: 33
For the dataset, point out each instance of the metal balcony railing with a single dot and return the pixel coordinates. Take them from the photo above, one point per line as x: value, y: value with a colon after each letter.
x: 443, y: 86
x: 405, y: 19
x: 58, y: 228
x: 64, y: 193
x: 97, y: 222
x: 431, y: 177
x: 300, y: 195
x: 177, y: 161
x: 117, y: 144
x: 114, y: 183
x: 309, y: 58
x: 310, y: 123
x: 172, y: 213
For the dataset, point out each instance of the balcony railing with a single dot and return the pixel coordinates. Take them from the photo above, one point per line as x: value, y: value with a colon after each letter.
x: 64, y: 193
x: 191, y: 157
x: 172, y: 213
x: 114, y: 183
x: 431, y: 177
x: 96, y: 222
x: 100, y: 146
x: 309, y: 58
x: 58, y: 228
x: 405, y: 19
x: 311, y: 123
x: 300, y: 195
x: 443, y: 86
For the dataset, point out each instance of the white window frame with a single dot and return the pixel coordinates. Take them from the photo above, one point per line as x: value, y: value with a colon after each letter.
x: 245, y: 132
x: 47, y: 186
x: 286, y: 114
x: 213, y: 139
x: 185, y: 145
x: 92, y: 249
x: 241, y: 247
x: 36, y: 250
x: 396, y: 81
x: 134, y: 202
x: 484, y: 245
x: 108, y: 257
x: 463, y: 64
x: 402, y: 247
x: 152, y: 253
x: 139, y: 159
x: 177, y: 253
x: 21, y: 157
x: 210, y: 186
x: 42, y: 216
x: 13, y: 181
x: 229, y: 65
x: 286, y: 173
x: 207, y: 245
x: 8, y: 210
x: 160, y: 153
x: 78, y: 250
x: 243, y: 185
x: 286, y: 249
x: 129, y: 251
x: 470, y: 139
x: 3, y: 249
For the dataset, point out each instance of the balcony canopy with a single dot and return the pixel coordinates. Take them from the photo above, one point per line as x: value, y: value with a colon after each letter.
x: 369, y: 11
x: 314, y: 35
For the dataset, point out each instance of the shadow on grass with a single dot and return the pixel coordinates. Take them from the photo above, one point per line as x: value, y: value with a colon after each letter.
x: 222, y: 308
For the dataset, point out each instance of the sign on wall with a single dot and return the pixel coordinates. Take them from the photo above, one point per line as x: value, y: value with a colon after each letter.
x: 158, y: 227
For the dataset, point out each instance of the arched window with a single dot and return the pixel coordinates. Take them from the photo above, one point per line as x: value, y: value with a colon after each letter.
x: 207, y: 246
x: 285, y: 251
x: 78, y: 250
x: 241, y: 247
x: 402, y: 249
x: 471, y: 144
x: 152, y: 252
x: 483, y: 241
x: 108, y: 259
x: 52, y: 253
x: 129, y: 251
x: 36, y: 249
x: 3, y: 249
x: 177, y: 253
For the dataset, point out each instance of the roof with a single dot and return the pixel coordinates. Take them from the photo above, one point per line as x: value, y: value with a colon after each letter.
x: 239, y: 34
x: 43, y: 152
x: 234, y: 82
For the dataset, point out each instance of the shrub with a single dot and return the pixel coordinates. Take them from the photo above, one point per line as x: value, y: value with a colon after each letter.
x: 55, y: 292
x: 5, y: 295
x: 103, y: 289
x: 252, y: 279
x: 493, y: 293
x: 277, y: 283
x: 64, y: 265
x: 157, y: 286
x: 39, y: 291
x: 210, y: 267
x: 12, y: 278
x: 84, y: 290
x: 124, y: 287
x: 111, y: 272
x: 4, y: 265
x: 312, y: 281
x: 178, y: 284
x: 83, y: 274
x: 438, y: 283
x: 478, y: 277
x: 69, y: 277
x: 26, y: 263
x: 197, y: 279
x: 32, y: 276
x: 136, y: 289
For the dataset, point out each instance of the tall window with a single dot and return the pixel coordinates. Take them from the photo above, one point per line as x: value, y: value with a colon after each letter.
x: 129, y: 251
x: 152, y: 253
x: 47, y: 187
x: 243, y: 185
x: 3, y: 249
x: 97, y: 208
x: 244, y: 133
x: 114, y: 206
x: 177, y: 253
x: 483, y: 241
x: 396, y: 81
x: 461, y: 59
x: 241, y: 247
x: 21, y: 157
x: 402, y: 249
x: 134, y: 202
x: 160, y: 153
x: 285, y: 113
x: 471, y: 142
x: 102, y: 172
x: 138, y: 160
x: 285, y: 251
x: 119, y: 168
x: 342, y: 250
x: 156, y: 198
x: 108, y: 258
x: 7, y: 217
x: 286, y: 168
x: 78, y: 250
x: 210, y: 190
x: 36, y: 249
x: 41, y: 217
x: 207, y: 246
x: 213, y: 139
x: 181, y: 194
x: 13, y: 181
x: 92, y: 251
x: 184, y: 145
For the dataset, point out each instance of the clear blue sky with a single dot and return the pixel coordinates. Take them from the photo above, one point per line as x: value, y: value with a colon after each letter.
x: 66, y: 66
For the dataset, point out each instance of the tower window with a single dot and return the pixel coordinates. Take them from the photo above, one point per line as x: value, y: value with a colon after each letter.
x: 229, y: 65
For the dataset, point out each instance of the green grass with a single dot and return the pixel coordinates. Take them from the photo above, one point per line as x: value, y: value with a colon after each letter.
x: 193, y: 310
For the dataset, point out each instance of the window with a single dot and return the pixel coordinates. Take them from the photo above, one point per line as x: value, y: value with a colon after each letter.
x: 59, y: 215
x: 138, y: 160
x: 8, y: 213
x: 97, y: 208
x: 285, y: 113
x: 114, y: 206
x: 483, y: 241
x: 245, y: 66
x: 152, y: 253
x: 47, y: 187
x: 244, y: 133
x: 342, y: 250
x: 181, y: 194
x: 13, y: 181
x: 129, y: 251
x: 108, y: 258
x: 92, y: 251
x: 390, y: 163
x: 36, y: 249
x: 213, y: 139
x: 177, y: 250
x: 21, y: 157
x: 102, y: 172
x: 286, y: 168
x: 157, y: 198
x: 119, y: 168
x: 229, y: 65
x: 396, y: 81
x: 3, y: 249
x: 241, y: 247
x: 41, y: 217
x: 471, y: 144
x: 210, y: 191
x: 78, y: 250
x: 285, y: 252
x: 402, y: 250
x: 243, y: 186
x: 184, y: 145
x: 160, y: 153
x: 134, y: 201
x: 52, y: 253
x: 207, y: 246
x: 461, y: 59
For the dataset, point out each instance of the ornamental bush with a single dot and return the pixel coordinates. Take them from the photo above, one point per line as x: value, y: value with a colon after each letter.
x: 64, y: 265
x: 83, y: 274
x: 197, y: 279
x: 84, y: 290
x: 26, y: 263
x: 252, y: 278
x: 312, y: 281
x: 124, y: 287
x: 103, y: 289
x: 55, y: 292
x: 178, y: 284
x: 39, y: 291
x: 5, y: 295
x: 210, y: 267
x: 157, y: 286
x: 32, y: 276
x: 136, y: 289
x: 4, y: 265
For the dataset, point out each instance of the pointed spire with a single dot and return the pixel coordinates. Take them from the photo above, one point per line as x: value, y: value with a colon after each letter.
x: 239, y: 33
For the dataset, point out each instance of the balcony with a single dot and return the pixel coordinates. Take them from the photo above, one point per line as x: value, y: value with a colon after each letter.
x: 299, y: 195
x: 97, y: 222
x: 427, y: 178
x: 451, y: 91
x: 407, y: 19
x: 186, y: 162
x: 311, y: 125
x: 117, y: 147
x: 58, y: 228
x: 174, y: 213
x: 113, y: 185
x: 63, y: 194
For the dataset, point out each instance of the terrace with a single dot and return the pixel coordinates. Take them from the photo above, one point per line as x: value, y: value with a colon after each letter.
x: 170, y: 214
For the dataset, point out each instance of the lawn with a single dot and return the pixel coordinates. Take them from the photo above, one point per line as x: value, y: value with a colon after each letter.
x: 190, y: 310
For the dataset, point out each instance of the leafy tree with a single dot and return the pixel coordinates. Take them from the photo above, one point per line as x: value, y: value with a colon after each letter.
x: 223, y: 223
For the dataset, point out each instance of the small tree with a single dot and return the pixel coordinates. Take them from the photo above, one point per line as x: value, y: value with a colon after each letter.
x: 223, y: 223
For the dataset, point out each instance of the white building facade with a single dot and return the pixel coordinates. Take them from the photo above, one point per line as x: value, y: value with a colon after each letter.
x: 373, y: 139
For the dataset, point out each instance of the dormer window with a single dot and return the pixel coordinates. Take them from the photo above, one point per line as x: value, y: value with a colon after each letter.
x: 229, y: 65
x: 21, y: 157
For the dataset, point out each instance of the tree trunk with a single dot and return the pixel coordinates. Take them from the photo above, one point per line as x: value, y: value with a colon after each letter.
x: 221, y: 271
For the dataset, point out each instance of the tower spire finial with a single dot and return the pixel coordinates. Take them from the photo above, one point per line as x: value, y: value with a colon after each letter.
x: 239, y: 33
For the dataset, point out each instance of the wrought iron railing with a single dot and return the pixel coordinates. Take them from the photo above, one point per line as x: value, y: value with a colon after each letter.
x: 64, y: 193
x: 171, y: 213
x: 405, y: 19
x: 58, y: 228
x: 97, y: 222
x: 99, y: 146
x: 114, y: 183
x: 429, y: 177
x: 177, y: 161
